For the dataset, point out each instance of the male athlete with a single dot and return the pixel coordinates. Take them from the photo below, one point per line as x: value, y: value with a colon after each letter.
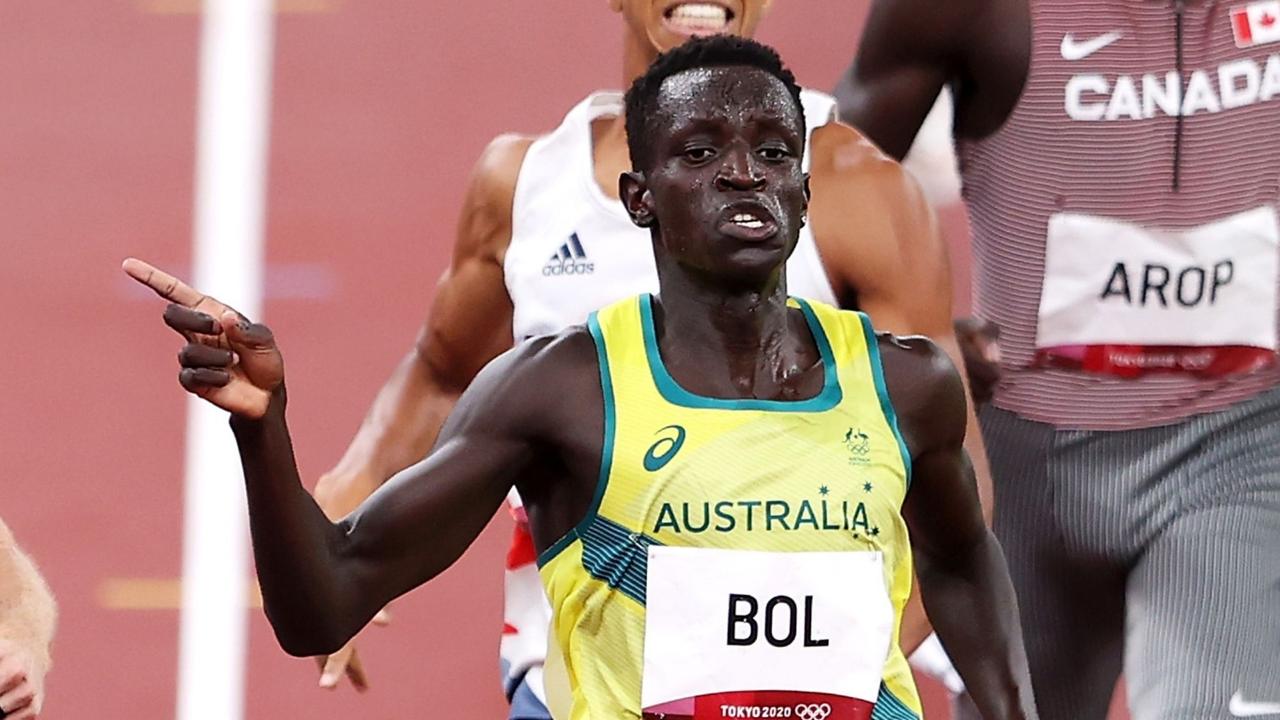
x: 27, y: 619
x: 714, y: 487
x: 543, y: 241
x: 1125, y: 240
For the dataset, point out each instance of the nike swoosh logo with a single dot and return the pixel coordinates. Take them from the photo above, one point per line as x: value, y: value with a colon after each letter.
x: 1239, y: 707
x: 1072, y: 50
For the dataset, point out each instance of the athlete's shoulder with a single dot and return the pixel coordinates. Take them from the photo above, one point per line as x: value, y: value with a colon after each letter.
x: 868, y: 215
x: 495, y: 173
x: 917, y: 354
x: 841, y: 153
x: 540, y: 382
x: 926, y: 390
x: 568, y: 351
x: 837, y: 142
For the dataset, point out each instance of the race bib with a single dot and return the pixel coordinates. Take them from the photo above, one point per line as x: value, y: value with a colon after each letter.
x: 735, y: 634
x: 1125, y: 300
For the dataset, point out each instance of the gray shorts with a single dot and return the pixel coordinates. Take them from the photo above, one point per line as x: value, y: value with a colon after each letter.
x: 1155, y: 551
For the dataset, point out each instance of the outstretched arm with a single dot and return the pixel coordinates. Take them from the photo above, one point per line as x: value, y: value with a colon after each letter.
x: 27, y: 619
x: 963, y: 576
x: 468, y: 324
x: 322, y: 581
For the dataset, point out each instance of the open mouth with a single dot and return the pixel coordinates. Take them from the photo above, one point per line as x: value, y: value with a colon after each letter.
x: 697, y: 18
x: 749, y: 223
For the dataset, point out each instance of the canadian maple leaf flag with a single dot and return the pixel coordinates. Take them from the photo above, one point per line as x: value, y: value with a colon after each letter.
x: 1256, y: 23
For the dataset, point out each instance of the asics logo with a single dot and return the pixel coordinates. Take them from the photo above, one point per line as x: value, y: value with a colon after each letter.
x: 661, y: 452
x: 1079, y: 50
x: 571, y: 259
x: 813, y: 712
x: 1239, y: 707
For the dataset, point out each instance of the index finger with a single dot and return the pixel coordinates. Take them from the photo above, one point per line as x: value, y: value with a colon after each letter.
x: 164, y: 284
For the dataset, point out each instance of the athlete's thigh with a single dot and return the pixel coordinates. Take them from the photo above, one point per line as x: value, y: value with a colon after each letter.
x: 1204, y: 602
x: 1072, y: 608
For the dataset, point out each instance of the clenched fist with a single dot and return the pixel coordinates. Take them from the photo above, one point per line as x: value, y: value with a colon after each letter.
x: 21, y: 684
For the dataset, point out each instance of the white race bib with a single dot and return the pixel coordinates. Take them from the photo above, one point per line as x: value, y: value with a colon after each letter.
x: 736, y: 634
x: 1122, y: 299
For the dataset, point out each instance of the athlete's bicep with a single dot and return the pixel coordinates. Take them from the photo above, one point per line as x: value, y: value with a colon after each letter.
x: 469, y: 322
x: 942, y: 508
x: 421, y: 521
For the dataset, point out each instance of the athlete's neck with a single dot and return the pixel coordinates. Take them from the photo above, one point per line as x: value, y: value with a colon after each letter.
x: 609, y: 135
x: 638, y: 53
x: 730, y: 343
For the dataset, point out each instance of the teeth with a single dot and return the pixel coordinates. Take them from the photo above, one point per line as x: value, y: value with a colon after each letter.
x: 747, y: 220
x: 703, y: 17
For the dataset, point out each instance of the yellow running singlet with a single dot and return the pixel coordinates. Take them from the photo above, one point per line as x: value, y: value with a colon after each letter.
x: 685, y: 479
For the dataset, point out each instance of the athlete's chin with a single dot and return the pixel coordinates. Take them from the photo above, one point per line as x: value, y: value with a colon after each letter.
x: 754, y: 264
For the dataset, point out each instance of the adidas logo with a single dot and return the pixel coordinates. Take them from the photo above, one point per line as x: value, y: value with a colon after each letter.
x: 570, y: 260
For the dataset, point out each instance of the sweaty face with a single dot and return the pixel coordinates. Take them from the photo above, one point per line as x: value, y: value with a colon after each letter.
x: 724, y: 178
x: 669, y: 23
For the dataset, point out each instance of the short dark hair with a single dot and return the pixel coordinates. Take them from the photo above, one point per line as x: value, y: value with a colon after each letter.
x: 702, y: 52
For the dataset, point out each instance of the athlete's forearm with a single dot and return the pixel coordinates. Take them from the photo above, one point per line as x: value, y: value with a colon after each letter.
x: 28, y: 614
x: 971, y: 601
x: 307, y: 598
x: 398, y: 431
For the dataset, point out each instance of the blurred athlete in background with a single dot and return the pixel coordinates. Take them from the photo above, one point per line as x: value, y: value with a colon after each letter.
x: 1125, y: 241
x: 27, y: 619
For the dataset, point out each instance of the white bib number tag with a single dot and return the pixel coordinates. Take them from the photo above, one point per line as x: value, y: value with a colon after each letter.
x: 736, y: 634
x: 1124, y: 300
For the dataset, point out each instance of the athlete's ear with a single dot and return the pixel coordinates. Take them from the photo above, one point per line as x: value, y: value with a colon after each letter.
x: 636, y: 198
x: 804, y: 214
x: 615, y: 5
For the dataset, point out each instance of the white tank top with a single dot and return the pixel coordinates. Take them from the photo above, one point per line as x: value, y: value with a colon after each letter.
x: 574, y: 249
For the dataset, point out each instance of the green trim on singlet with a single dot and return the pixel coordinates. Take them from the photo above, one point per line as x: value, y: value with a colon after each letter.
x: 828, y: 398
x: 889, y: 707
x: 618, y: 557
x: 606, y: 449
x: 882, y: 390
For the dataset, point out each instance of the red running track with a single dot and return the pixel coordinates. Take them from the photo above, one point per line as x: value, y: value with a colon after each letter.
x: 379, y: 110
